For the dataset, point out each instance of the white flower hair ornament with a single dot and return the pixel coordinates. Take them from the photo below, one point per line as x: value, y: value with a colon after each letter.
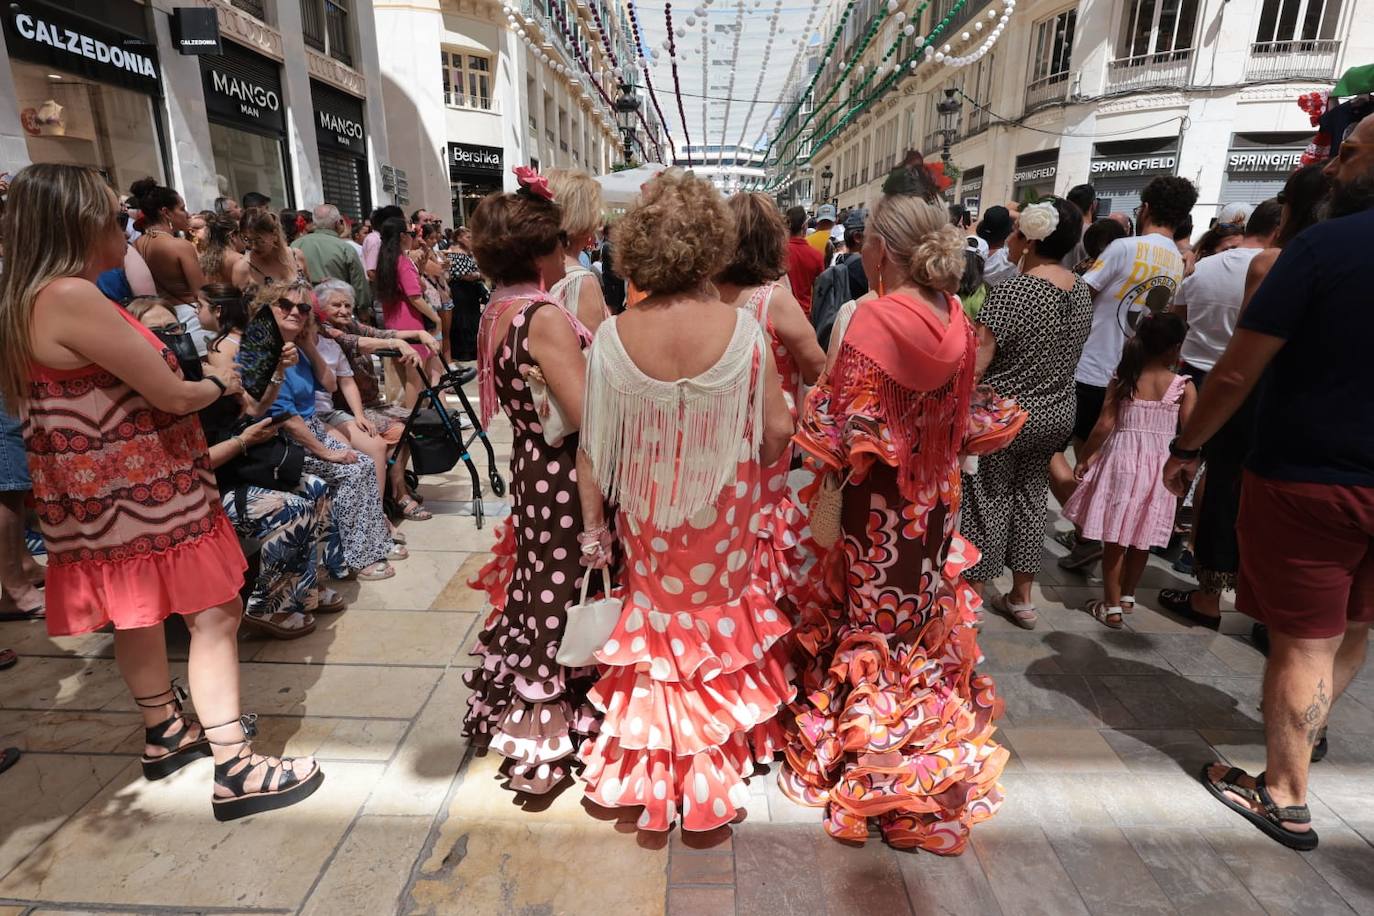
x: 1038, y: 221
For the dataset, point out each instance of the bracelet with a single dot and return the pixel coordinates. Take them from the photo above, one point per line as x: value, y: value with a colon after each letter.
x: 278, y: 380
x: 243, y: 446
x: 1183, y: 454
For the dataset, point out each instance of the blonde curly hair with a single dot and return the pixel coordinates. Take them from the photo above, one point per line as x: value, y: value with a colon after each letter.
x: 920, y: 239
x: 676, y: 236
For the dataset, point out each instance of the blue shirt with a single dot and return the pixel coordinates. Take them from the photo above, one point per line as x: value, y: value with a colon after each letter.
x: 297, y: 394
x: 1315, y: 419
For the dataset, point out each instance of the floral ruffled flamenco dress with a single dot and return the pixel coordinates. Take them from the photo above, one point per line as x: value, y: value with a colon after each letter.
x: 896, y: 725
x: 695, y: 672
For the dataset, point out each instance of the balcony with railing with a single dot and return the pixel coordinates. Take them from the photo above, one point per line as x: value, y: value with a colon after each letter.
x: 1161, y: 70
x: 324, y: 24
x: 251, y: 7
x: 1047, y: 90
x: 1274, y: 60
x: 976, y: 120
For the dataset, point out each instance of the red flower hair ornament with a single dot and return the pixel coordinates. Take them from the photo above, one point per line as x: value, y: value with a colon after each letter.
x: 532, y: 184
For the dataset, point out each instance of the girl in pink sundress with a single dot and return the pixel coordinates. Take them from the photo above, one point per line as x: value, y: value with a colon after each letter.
x: 1121, y: 498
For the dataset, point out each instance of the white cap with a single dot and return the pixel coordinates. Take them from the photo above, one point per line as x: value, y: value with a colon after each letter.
x: 1234, y: 215
x: 837, y: 234
x: 978, y: 244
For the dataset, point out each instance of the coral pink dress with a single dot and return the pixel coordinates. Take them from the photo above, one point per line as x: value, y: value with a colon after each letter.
x: 398, y: 314
x: 1122, y: 499
x: 126, y: 501
x: 695, y: 671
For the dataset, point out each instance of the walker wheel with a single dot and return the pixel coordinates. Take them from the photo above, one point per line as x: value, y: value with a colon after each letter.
x: 412, y: 480
x: 498, y: 486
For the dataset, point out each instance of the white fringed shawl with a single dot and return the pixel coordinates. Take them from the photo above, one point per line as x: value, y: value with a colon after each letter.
x: 663, y: 451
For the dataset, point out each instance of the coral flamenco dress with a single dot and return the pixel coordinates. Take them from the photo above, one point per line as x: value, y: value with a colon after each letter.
x: 895, y: 725
x: 695, y: 672
x: 126, y: 501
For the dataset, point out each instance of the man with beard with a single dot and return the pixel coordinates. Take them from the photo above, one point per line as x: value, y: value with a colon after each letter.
x: 1306, y: 525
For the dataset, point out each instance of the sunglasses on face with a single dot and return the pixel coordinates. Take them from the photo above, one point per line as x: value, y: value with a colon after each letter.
x: 286, y: 305
x: 176, y: 328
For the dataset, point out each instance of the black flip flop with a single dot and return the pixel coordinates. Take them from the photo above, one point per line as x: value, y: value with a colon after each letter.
x: 1270, y: 822
x: 37, y: 613
x: 1181, y: 603
x: 8, y: 757
x: 8, y: 659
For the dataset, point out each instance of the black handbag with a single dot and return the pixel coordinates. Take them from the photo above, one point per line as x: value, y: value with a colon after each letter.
x: 276, y: 464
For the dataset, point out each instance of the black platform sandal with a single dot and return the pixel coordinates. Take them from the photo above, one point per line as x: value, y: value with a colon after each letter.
x: 169, y: 734
x: 251, y: 783
x: 1272, y: 818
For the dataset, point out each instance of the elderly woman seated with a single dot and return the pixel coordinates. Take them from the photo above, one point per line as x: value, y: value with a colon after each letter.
x: 350, y: 345
x: 290, y: 527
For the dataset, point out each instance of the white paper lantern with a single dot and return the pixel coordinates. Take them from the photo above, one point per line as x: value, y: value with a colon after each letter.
x: 940, y: 57
x: 965, y: 36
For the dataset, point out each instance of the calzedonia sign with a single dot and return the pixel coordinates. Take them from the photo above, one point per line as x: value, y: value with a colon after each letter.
x: 243, y: 89
x: 63, y: 41
x: 338, y: 120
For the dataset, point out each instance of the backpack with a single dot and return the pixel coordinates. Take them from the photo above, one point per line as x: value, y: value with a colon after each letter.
x: 830, y: 292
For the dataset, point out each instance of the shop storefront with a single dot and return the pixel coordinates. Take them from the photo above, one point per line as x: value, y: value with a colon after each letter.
x: 1121, y: 170
x: 474, y: 172
x: 87, y: 87
x: 1034, y: 175
x: 1257, y: 166
x: 243, y: 99
x: 971, y: 189
x: 342, y: 141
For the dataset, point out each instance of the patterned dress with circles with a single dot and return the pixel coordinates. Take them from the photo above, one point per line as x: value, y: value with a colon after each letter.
x: 524, y: 705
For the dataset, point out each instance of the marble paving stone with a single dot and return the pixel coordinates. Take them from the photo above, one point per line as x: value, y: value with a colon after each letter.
x: 448, y: 531
x: 861, y: 880
x: 1160, y: 800
x: 419, y: 777
x: 1191, y: 873
x: 1105, y: 653
x: 94, y: 858
x: 947, y: 885
x: 1190, y: 654
x: 72, y: 732
x: 777, y: 869
x: 30, y: 638
x: 1054, y: 803
x: 40, y: 792
x: 1161, y: 751
x: 524, y: 862
x: 783, y: 810
x: 1014, y: 652
x: 1109, y: 875
x: 702, y: 868
x: 1280, y: 879
x: 417, y: 583
x: 1059, y: 700
x: 1242, y: 748
x: 370, y: 871
x: 455, y: 594
x: 1350, y: 716
x: 364, y: 638
x: 1342, y: 859
x: 1024, y: 872
x: 336, y: 690
x: 701, y: 901
x: 66, y: 683
x: 1351, y: 793
x: 330, y: 738
x: 1064, y: 750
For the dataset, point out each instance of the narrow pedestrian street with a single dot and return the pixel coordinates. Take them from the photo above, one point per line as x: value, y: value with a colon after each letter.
x: 1104, y: 811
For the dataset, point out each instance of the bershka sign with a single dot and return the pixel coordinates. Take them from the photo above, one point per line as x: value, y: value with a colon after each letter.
x: 338, y: 120
x: 467, y: 157
x: 1272, y: 160
x: 243, y: 88
x: 54, y: 37
x: 1133, y: 164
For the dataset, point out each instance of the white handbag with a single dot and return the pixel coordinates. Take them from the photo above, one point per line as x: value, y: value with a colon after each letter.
x: 551, y: 417
x: 589, y: 624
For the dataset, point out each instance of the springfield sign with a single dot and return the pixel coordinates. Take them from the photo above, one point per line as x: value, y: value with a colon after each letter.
x: 1134, y: 164
x: 45, y: 35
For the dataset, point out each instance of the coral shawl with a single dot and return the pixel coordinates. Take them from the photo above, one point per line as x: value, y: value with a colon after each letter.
x: 897, y: 349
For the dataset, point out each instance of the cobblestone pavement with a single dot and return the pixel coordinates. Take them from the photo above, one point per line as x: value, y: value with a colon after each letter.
x: 1103, y: 814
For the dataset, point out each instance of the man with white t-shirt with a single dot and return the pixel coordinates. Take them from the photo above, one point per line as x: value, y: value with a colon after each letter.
x: 1210, y: 299
x: 1131, y: 276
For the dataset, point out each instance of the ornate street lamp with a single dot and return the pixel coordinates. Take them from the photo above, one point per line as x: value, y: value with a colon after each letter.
x: 948, y: 109
x: 626, y: 107
x: 826, y: 177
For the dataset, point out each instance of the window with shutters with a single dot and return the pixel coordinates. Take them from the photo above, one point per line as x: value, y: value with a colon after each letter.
x: 467, y: 79
x: 1295, y: 38
x: 1050, y: 63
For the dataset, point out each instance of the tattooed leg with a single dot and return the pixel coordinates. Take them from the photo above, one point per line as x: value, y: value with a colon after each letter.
x: 1298, y: 688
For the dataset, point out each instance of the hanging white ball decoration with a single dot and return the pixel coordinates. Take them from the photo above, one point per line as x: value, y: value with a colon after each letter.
x: 900, y: 17
x: 945, y: 49
x: 929, y: 52
x: 965, y: 36
x: 691, y: 20
x: 892, y: 6
x: 914, y: 65
x: 939, y: 57
x: 908, y: 30
x: 978, y: 27
x: 992, y: 14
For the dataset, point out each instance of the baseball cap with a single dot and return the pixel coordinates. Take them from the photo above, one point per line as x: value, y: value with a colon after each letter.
x: 1234, y: 214
x: 978, y: 245
x: 855, y: 220
x: 826, y: 212
x: 995, y: 225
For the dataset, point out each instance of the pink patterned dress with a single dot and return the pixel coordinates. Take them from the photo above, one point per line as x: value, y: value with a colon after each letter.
x: 695, y: 673
x: 1122, y: 499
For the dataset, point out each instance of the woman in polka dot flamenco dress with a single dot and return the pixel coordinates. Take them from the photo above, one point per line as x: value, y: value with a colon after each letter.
x: 683, y: 414
x: 895, y: 726
x: 524, y: 705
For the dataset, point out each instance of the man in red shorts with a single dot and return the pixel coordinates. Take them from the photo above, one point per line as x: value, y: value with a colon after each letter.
x: 1306, y: 526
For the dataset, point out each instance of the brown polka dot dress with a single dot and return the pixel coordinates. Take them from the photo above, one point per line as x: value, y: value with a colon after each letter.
x: 524, y: 705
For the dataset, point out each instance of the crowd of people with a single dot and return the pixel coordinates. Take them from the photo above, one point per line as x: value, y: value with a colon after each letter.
x: 794, y: 464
